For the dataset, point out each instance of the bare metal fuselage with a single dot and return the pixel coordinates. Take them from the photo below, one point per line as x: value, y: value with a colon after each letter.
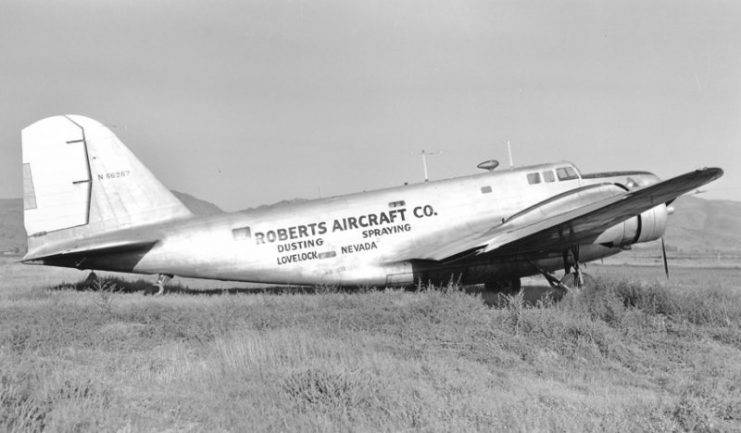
x: 358, y: 239
x: 89, y: 203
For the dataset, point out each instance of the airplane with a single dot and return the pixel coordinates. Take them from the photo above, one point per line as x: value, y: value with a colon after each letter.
x: 90, y: 204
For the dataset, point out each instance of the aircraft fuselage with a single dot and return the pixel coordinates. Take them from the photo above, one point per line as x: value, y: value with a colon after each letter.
x: 89, y: 203
x: 356, y: 239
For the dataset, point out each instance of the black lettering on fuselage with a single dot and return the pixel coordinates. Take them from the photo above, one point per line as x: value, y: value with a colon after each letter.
x: 386, y: 230
x: 368, y: 220
x: 352, y: 223
x: 295, y: 258
x: 292, y: 232
x: 355, y: 248
x: 299, y: 245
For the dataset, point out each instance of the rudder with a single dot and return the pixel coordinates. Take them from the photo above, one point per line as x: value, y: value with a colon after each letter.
x: 80, y: 180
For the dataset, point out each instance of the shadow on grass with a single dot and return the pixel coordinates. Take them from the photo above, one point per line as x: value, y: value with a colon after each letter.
x: 93, y: 283
x: 532, y: 295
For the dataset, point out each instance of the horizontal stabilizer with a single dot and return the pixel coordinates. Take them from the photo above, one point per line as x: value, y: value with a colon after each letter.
x: 117, y: 255
x: 113, y: 247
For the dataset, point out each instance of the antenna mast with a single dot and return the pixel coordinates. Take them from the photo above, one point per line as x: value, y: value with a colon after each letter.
x: 424, y: 154
x: 509, y: 151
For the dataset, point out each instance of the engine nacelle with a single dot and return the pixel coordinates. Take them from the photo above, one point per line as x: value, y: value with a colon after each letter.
x: 648, y: 226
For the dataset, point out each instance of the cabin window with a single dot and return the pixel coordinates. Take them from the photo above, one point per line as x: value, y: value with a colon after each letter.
x: 566, y: 173
x: 241, y: 233
x: 548, y: 176
x: 485, y: 189
x: 398, y: 203
x: 533, y: 178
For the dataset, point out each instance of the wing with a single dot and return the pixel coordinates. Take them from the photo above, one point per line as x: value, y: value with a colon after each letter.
x: 576, y: 226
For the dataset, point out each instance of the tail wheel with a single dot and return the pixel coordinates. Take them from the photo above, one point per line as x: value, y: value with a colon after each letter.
x: 508, y: 287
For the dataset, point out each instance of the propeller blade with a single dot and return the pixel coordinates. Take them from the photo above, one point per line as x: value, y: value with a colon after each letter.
x: 663, y: 255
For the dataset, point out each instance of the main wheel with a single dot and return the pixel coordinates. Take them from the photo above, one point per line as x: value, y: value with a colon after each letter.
x: 507, y: 287
x: 570, y: 280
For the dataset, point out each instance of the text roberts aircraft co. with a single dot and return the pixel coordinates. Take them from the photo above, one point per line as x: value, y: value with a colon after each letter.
x: 90, y: 204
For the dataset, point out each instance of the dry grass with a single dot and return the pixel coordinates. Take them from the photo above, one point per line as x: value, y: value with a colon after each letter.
x: 625, y: 356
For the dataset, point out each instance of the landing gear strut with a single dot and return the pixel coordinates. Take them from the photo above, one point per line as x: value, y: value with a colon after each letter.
x: 160, y: 284
x: 91, y: 279
x: 571, y: 280
x: 576, y: 279
x: 552, y: 279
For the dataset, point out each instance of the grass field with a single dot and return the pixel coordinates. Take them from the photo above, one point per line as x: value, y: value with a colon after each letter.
x: 634, y: 354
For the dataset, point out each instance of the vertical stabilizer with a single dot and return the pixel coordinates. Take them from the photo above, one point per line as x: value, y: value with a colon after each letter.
x: 80, y: 180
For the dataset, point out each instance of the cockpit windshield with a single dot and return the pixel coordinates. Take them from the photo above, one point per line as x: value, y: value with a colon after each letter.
x: 566, y: 173
x: 563, y: 173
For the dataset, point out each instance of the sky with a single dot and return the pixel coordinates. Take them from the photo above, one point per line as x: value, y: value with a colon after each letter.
x: 243, y: 103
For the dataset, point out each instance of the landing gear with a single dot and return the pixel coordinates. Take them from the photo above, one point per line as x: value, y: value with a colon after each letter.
x: 91, y: 279
x: 506, y: 287
x: 576, y: 279
x: 571, y: 280
x: 160, y: 284
x: 553, y: 280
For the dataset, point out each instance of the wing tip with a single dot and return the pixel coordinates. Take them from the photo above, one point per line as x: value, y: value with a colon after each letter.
x: 715, y: 172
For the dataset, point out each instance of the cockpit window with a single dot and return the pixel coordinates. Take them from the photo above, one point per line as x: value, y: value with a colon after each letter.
x: 548, y: 176
x: 533, y: 178
x: 566, y: 173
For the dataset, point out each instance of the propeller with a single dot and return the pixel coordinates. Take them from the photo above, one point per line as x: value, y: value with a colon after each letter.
x: 663, y: 255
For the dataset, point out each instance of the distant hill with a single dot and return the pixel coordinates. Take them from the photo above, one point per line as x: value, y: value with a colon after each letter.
x: 697, y: 225
x: 277, y: 204
x: 196, y: 205
x: 12, y: 233
x: 700, y: 225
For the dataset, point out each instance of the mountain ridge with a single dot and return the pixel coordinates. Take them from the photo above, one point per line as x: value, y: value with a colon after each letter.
x: 697, y: 226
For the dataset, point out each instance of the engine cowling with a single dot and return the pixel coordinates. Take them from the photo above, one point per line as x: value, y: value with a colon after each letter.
x: 648, y: 226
